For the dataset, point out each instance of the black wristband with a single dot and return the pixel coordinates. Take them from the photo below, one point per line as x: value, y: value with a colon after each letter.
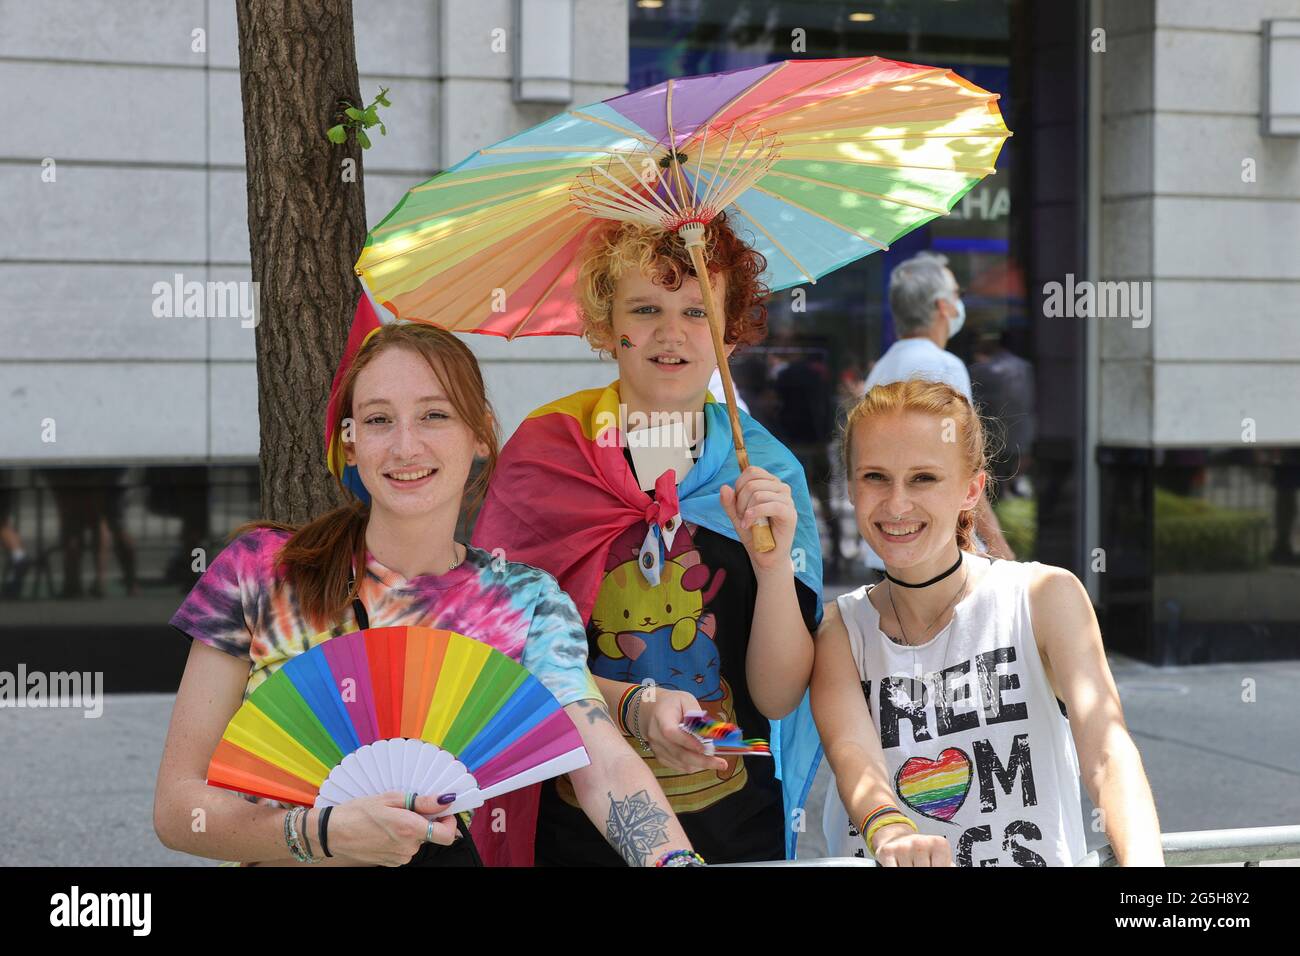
x: 321, y: 830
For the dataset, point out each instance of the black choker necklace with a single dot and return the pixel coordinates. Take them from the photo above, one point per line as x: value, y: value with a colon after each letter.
x: 934, y: 580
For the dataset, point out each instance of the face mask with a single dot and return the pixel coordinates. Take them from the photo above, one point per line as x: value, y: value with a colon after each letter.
x: 958, y: 320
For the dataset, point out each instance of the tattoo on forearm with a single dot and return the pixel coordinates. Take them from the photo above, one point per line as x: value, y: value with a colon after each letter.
x: 636, y: 826
x: 596, y: 712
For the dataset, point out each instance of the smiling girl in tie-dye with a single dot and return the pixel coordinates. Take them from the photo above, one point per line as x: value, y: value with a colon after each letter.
x: 408, y: 419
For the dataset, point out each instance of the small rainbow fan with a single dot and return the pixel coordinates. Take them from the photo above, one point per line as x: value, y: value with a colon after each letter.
x: 396, y: 708
x: 721, y: 737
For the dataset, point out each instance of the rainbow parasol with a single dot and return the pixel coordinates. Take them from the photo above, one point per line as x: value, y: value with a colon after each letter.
x: 822, y: 161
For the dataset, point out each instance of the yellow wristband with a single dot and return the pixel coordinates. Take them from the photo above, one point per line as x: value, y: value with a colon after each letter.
x: 885, y: 821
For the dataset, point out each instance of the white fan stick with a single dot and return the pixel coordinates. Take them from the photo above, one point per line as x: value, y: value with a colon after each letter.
x: 572, y: 760
x: 368, y: 766
x: 402, y: 764
x: 575, y: 759
x: 332, y: 793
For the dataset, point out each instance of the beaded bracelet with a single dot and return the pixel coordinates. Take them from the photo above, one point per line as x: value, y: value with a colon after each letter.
x: 291, y: 835
x: 288, y: 836
x: 293, y: 820
x: 299, y: 851
x: 681, y: 858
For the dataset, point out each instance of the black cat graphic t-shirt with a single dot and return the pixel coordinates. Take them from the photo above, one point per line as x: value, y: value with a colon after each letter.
x: 688, y: 633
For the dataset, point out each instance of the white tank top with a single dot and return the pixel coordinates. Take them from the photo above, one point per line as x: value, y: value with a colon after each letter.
x: 976, y: 743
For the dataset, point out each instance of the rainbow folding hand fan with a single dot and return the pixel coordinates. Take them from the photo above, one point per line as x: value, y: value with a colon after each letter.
x: 722, y: 737
x: 396, y: 708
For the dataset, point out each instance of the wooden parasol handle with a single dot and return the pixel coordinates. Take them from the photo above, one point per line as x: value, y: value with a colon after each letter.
x: 694, y: 238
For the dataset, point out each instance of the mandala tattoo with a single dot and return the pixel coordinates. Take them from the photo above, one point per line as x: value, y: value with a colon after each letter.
x: 636, y: 826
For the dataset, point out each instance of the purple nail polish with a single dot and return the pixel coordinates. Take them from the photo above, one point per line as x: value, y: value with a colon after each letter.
x: 447, y: 798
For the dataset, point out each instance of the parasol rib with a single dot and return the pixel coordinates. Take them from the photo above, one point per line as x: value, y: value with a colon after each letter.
x: 772, y: 239
x: 974, y: 170
x: 504, y: 210
x: 813, y: 212
x: 531, y: 170
x: 939, y: 210
x: 616, y: 128
x: 561, y: 181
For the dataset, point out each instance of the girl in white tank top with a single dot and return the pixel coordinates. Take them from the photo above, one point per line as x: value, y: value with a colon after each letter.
x: 933, y: 691
x: 976, y: 743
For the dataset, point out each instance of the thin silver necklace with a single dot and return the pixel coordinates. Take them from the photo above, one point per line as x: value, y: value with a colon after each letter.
x: 916, y: 674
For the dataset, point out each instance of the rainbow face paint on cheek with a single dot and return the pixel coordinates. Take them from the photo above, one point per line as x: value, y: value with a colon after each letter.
x: 625, y: 342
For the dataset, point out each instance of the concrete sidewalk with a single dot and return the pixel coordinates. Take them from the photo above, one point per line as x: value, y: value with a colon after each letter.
x: 77, y: 791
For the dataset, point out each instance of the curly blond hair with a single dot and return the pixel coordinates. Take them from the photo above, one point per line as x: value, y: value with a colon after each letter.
x: 615, y: 247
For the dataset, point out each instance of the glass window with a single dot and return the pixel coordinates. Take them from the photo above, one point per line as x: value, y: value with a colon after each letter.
x: 114, y: 544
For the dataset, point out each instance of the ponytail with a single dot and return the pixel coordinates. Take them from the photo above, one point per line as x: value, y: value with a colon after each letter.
x: 966, y: 530
x: 318, y: 561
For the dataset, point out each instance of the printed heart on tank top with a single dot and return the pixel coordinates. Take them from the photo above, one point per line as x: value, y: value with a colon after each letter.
x: 935, y: 788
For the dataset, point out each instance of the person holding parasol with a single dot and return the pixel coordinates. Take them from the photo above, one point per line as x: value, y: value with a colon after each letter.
x: 651, y: 530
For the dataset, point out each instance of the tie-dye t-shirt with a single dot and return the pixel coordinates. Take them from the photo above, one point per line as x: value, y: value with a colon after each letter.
x: 241, y: 606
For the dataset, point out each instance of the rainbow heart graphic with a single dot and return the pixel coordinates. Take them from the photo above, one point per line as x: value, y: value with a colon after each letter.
x: 935, y: 788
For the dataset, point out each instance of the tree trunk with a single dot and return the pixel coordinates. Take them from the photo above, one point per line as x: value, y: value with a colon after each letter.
x: 306, y: 227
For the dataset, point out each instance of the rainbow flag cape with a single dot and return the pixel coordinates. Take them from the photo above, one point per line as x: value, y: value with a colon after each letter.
x: 563, y: 493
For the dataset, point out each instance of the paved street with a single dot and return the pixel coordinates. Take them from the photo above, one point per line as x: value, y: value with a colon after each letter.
x: 78, y: 791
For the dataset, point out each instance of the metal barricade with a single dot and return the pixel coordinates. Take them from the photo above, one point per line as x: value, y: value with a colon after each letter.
x: 815, y: 861
x: 1248, y: 845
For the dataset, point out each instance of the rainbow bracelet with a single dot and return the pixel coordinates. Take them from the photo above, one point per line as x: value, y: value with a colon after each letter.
x: 621, y: 711
x: 866, y: 821
x: 884, y: 809
x: 884, y: 821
